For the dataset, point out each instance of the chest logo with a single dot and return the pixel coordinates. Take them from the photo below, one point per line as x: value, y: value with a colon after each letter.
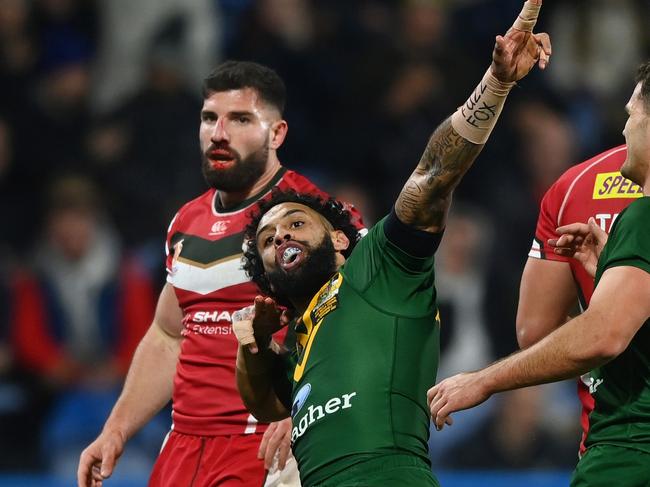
x: 324, y: 302
x: 327, y: 299
x: 176, y: 253
x: 219, y: 228
x: 300, y: 399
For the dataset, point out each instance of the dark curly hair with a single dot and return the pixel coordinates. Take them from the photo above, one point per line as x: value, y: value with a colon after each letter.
x: 331, y: 209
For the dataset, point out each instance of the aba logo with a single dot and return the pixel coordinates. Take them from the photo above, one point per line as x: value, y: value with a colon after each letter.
x: 301, y: 398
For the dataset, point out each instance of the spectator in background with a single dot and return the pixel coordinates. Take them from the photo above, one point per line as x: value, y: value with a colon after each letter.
x: 150, y: 137
x: 18, y: 61
x: 78, y: 318
x: 410, y: 67
x: 545, y: 147
x: 127, y: 31
x: 599, y: 39
x: 9, y: 196
x: 514, y: 437
x: 358, y: 195
x: 18, y: 54
x: 23, y: 397
x: 66, y: 27
x: 296, y: 37
x: 48, y: 132
x: 461, y: 265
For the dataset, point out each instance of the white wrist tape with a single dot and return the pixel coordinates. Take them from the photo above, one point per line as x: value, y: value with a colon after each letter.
x: 475, y: 119
x: 527, y: 17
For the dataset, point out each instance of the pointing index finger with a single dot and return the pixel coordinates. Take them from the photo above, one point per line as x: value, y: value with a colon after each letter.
x: 527, y: 18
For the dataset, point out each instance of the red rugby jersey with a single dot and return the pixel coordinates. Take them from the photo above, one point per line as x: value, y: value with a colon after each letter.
x: 204, y: 251
x: 594, y: 188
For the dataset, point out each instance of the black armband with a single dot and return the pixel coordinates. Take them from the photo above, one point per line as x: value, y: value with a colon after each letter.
x: 417, y: 243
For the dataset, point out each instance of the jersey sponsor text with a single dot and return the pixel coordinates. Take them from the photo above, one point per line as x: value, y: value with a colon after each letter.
x: 612, y: 185
x: 318, y: 412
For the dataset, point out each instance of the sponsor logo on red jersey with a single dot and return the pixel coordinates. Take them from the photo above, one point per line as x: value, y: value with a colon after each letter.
x: 609, y: 185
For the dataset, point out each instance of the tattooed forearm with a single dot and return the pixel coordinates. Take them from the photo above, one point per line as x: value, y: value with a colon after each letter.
x: 426, y: 196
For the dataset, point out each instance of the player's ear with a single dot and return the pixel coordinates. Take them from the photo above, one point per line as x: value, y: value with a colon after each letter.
x: 277, y: 134
x: 340, y: 240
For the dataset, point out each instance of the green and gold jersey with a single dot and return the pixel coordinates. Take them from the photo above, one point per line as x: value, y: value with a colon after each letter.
x: 621, y: 388
x: 368, y: 347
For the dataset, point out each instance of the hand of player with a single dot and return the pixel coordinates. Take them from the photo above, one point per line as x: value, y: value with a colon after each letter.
x: 462, y: 391
x: 276, y: 442
x: 255, y: 324
x: 516, y: 52
x: 98, y: 460
x: 582, y: 241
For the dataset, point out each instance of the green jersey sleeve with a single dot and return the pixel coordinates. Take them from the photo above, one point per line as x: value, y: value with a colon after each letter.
x: 629, y: 241
x: 389, y: 278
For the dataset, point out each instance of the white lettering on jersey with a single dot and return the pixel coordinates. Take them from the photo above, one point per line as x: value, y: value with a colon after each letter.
x: 213, y: 316
x: 606, y: 220
x: 317, y: 412
x: 206, y: 330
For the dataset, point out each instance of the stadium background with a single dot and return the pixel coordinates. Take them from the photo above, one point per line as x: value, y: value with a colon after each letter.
x: 99, y: 104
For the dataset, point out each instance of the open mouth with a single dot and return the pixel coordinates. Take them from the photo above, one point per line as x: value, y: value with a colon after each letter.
x: 289, y: 255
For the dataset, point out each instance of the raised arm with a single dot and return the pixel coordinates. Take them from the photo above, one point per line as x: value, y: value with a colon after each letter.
x: 424, y: 201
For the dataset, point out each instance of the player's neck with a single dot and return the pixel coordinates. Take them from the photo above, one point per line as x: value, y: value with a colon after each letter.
x: 300, y: 305
x: 233, y: 198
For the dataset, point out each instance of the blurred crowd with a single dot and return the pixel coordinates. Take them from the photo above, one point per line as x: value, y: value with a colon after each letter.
x: 99, y: 114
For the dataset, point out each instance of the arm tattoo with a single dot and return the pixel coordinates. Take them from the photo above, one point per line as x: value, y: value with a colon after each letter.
x: 426, y: 196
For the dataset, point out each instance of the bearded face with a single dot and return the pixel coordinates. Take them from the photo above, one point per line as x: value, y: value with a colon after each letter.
x: 226, y: 170
x: 301, y: 282
x: 235, y: 136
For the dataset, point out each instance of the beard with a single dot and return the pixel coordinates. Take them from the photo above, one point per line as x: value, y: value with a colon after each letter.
x: 241, y: 175
x: 304, y: 282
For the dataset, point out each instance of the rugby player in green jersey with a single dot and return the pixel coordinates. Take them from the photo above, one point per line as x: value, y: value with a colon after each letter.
x: 611, y: 339
x: 367, y: 327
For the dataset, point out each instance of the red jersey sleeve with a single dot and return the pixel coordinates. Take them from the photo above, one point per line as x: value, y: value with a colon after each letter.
x: 547, y: 222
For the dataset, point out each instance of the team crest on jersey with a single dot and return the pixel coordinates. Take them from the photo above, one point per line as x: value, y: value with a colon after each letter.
x: 176, y: 252
x: 590, y: 382
x: 219, y: 228
x: 300, y: 399
x: 327, y: 299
